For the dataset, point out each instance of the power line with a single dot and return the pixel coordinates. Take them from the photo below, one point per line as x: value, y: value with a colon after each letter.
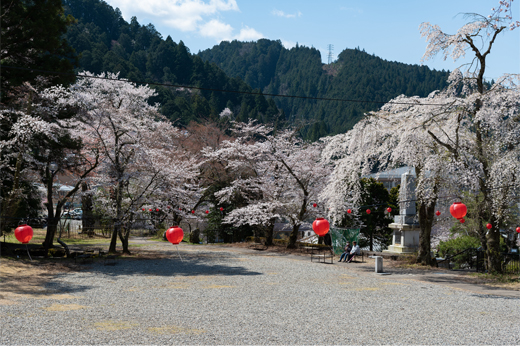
x: 223, y: 90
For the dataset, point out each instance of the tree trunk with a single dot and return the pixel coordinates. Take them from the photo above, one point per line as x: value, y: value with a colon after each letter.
x: 293, y: 237
x: 494, y: 260
x: 123, y: 236
x: 52, y: 217
x: 119, y: 212
x: 113, y: 239
x: 426, y: 213
x: 269, y: 235
x: 52, y: 227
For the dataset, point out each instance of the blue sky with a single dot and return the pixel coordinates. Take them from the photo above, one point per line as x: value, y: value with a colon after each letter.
x: 386, y: 28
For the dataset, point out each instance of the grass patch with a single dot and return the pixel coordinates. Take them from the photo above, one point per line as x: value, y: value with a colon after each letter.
x: 39, y: 236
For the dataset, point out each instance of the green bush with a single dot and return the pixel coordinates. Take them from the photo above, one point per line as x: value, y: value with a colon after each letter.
x: 455, y: 245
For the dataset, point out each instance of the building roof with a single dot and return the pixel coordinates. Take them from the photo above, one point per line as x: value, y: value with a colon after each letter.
x: 393, y: 173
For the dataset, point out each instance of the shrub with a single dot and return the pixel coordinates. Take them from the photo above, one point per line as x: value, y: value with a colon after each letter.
x: 455, y: 245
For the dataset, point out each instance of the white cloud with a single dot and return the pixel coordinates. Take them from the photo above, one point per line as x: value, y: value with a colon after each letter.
x: 184, y: 15
x: 248, y: 34
x: 199, y: 16
x: 216, y: 29
x: 279, y: 13
x: 288, y: 44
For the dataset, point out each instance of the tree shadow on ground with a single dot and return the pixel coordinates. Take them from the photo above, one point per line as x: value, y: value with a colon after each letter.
x: 446, y: 278
x: 191, y: 265
x: 171, y: 264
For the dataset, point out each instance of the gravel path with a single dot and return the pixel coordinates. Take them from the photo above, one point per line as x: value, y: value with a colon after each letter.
x: 225, y: 296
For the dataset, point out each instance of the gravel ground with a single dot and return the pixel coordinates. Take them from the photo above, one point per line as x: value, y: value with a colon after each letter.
x: 221, y: 296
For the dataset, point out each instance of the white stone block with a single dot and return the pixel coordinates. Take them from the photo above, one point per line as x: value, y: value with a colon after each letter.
x: 379, y: 264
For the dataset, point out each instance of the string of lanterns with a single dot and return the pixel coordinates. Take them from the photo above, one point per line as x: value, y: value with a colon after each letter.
x: 321, y: 226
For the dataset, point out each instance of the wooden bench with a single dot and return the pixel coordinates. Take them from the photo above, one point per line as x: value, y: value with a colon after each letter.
x: 362, y: 254
x: 309, y: 249
x: 322, y: 258
x: 318, y: 248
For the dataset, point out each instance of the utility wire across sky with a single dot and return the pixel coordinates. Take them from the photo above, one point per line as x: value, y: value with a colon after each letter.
x: 223, y: 90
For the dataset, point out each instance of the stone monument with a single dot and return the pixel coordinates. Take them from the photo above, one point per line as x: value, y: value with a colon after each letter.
x: 405, y: 238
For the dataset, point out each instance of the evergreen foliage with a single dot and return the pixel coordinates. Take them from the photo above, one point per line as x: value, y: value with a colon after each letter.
x: 105, y: 42
x: 299, y: 71
x: 31, y: 36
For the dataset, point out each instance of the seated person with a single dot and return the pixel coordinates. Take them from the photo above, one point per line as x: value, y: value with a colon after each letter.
x: 353, y: 252
x: 346, y: 252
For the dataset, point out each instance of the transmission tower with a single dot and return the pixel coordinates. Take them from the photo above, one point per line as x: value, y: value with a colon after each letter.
x: 331, y: 56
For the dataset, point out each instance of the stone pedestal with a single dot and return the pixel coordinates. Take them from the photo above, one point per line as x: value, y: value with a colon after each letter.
x: 406, y: 229
x: 405, y: 238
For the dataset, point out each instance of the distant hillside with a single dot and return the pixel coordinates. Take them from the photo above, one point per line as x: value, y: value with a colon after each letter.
x: 106, y: 42
x: 356, y: 75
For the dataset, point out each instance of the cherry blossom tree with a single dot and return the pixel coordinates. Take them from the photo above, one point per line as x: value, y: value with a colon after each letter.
x: 390, y: 138
x: 278, y: 175
x: 459, y: 138
x: 41, y: 132
x: 480, y: 130
x: 139, y: 157
x: 21, y: 128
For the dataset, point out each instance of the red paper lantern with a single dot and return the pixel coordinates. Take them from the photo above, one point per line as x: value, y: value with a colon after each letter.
x: 193, y: 211
x: 157, y: 209
x: 320, y: 226
x: 458, y: 210
x: 518, y: 230
x: 462, y: 220
x: 368, y: 211
x: 489, y: 226
x: 23, y: 233
x: 349, y: 211
x: 437, y: 213
x: 150, y: 209
x: 174, y: 234
x: 314, y: 205
x: 389, y: 209
x: 221, y: 209
x: 144, y: 209
x: 207, y: 211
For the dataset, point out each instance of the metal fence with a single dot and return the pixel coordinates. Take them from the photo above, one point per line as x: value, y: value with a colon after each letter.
x: 474, y: 259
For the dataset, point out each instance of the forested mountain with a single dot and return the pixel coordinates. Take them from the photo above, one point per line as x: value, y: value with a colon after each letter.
x: 105, y: 42
x: 299, y: 71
